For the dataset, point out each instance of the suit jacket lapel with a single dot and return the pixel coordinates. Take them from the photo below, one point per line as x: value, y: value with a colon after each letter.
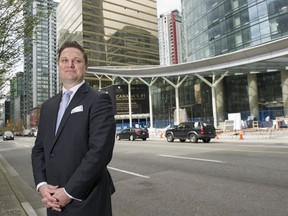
x: 54, y: 111
x: 53, y: 114
x: 79, y: 95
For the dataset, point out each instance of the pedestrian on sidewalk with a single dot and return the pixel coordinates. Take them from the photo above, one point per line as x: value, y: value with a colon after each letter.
x: 71, y: 153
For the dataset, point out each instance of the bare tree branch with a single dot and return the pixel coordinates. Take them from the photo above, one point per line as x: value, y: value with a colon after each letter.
x: 17, y: 23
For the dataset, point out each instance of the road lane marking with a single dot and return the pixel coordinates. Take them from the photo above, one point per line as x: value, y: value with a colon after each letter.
x: 189, y: 158
x: 264, y: 146
x: 239, y: 150
x: 131, y: 173
x: 196, y: 148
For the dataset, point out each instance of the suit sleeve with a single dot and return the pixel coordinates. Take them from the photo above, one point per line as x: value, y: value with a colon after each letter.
x: 101, y: 143
x: 37, y: 155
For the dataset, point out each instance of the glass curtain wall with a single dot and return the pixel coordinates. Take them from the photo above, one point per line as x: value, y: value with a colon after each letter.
x: 216, y: 27
x: 194, y: 99
x: 114, y: 33
x: 245, y: 23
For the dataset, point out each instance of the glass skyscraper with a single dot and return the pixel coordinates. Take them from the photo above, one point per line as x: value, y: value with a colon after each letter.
x: 40, y: 68
x: 114, y: 33
x: 232, y: 65
x: 215, y: 27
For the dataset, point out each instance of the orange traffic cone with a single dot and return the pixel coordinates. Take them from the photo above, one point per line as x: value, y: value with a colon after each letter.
x: 241, y: 135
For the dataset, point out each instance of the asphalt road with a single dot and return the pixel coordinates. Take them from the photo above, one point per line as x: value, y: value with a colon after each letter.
x: 222, y: 178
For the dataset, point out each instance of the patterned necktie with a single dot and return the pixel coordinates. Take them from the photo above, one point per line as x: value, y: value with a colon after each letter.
x: 62, y: 108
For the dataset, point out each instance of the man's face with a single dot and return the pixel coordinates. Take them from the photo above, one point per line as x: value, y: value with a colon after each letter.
x: 72, y: 67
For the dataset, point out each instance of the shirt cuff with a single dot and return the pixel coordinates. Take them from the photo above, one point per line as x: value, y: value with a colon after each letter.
x: 71, y: 196
x: 39, y: 185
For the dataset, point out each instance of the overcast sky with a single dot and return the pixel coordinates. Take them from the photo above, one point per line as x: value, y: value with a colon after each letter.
x: 168, y: 5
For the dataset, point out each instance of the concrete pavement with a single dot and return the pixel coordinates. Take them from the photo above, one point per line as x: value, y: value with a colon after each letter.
x: 263, y: 135
x: 14, y: 203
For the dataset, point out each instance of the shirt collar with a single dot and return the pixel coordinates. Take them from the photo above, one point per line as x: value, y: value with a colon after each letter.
x: 74, y: 88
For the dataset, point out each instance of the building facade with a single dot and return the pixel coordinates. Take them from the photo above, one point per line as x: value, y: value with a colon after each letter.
x: 40, y: 80
x: 6, y: 112
x: 216, y: 27
x: 16, y: 98
x: 236, y: 62
x: 170, y: 38
x: 113, y: 33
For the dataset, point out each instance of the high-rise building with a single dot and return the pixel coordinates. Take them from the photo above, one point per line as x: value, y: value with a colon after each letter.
x: 40, y: 68
x: 236, y: 63
x: 170, y: 41
x: 16, y: 98
x: 215, y: 27
x: 113, y: 32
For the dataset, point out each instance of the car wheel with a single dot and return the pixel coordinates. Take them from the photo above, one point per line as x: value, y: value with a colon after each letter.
x: 118, y: 137
x: 131, y: 137
x: 206, y: 140
x: 182, y: 140
x: 170, y: 138
x: 144, y: 139
x: 193, y: 138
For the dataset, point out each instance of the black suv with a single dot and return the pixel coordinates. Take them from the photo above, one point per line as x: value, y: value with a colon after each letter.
x: 192, y: 131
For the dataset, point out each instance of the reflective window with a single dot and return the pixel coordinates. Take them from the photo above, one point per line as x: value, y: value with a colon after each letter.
x: 262, y: 10
x: 244, y: 17
x: 245, y: 23
x: 265, y: 29
x: 269, y: 87
x: 255, y: 32
x: 253, y: 13
x: 111, y: 36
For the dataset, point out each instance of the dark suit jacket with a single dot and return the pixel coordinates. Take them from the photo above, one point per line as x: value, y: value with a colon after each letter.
x: 76, y: 157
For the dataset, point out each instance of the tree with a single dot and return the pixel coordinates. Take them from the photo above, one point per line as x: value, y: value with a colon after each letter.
x: 17, y: 22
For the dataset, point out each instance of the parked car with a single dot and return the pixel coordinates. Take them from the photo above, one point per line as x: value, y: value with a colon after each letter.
x: 27, y: 132
x: 192, y: 131
x: 8, y: 135
x: 34, y: 132
x: 133, y: 133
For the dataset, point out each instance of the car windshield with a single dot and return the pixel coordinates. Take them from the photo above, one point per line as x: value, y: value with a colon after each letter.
x: 8, y: 133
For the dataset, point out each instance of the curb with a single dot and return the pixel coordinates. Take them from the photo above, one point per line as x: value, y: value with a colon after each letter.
x: 20, y: 204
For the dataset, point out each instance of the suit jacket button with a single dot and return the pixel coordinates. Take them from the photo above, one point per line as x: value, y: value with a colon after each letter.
x: 52, y: 155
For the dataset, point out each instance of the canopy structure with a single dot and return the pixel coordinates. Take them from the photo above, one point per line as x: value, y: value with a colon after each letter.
x: 272, y: 55
x: 267, y: 57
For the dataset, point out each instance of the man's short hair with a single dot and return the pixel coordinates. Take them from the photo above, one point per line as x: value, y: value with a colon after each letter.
x: 73, y: 44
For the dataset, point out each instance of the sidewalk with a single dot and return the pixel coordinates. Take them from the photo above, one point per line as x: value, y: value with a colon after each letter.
x: 12, y: 202
x: 265, y: 136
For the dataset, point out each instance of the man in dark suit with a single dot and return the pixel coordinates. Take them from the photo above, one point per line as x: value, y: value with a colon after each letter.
x: 70, y: 162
